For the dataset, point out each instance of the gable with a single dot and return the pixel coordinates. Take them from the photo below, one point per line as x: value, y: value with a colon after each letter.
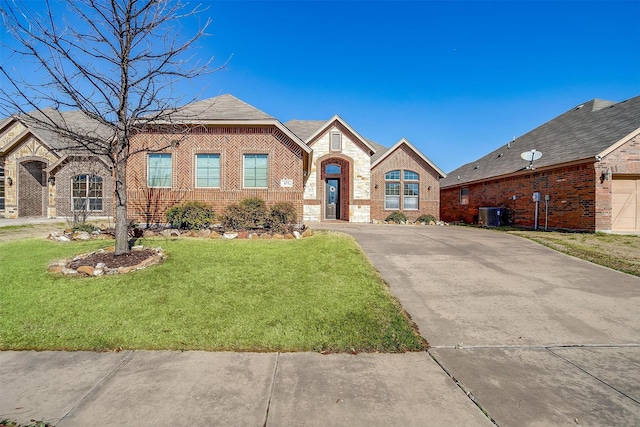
x: 336, y: 123
x: 409, y: 154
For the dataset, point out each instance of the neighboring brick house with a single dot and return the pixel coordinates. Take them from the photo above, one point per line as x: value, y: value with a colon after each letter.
x: 588, y: 177
x: 231, y: 151
x: 42, y: 176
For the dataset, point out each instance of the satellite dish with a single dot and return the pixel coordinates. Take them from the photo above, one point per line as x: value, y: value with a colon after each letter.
x: 532, y: 155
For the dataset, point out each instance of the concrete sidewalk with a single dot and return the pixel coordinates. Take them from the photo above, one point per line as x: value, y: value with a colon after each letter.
x: 162, y: 388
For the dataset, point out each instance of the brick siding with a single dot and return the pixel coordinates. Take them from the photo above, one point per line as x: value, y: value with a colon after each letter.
x: 403, y: 158
x: 579, y: 198
x: 64, y: 185
x: 571, y: 205
x: 148, y: 205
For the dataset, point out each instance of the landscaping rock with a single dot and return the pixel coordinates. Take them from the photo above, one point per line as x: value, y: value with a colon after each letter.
x: 307, y: 233
x: 171, y: 232
x: 205, y: 232
x: 277, y: 236
x: 86, y: 270
x: 289, y: 236
x: 81, y: 235
x: 214, y: 235
x: 230, y: 235
x: 297, y: 235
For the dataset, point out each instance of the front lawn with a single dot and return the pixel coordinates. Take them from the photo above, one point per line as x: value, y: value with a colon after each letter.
x: 315, y: 294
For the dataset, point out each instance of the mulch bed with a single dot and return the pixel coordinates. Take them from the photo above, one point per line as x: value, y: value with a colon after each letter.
x: 110, y: 260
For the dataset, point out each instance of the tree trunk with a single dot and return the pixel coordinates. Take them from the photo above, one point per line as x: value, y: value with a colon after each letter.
x: 122, y: 222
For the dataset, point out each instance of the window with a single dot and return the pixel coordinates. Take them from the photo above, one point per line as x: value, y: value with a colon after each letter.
x: 1, y: 188
x: 392, y: 176
x: 411, y: 176
x: 392, y: 195
x: 255, y: 170
x: 410, y: 196
x: 87, y: 193
x: 332, y: 169
x: 208, y: 170
x: 159, y: 170
x: 464, y: 196
x: 336, y: 141
x: 410, y: 190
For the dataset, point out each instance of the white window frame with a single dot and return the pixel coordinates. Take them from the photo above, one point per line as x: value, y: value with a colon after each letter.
x: 208, y: 169
x: 160, y: 155
x: 244, y: 170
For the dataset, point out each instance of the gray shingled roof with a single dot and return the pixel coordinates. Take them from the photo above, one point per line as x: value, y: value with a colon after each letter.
x: 223, y: 107
x: 304, y: 128
x: 380, y: 150
x: 580, y: 133
x: 73, y: 120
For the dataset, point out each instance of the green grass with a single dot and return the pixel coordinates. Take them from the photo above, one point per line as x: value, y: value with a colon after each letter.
x: 314, y: 294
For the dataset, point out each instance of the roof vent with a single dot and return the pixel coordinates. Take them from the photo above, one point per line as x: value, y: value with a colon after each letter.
x: 476, y: 167
x: 501, y: 154
x: 579, y: 106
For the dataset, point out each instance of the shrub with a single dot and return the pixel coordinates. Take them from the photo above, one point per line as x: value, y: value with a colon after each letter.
x: 249, y: 214
x: 426, y: 219
x: 282, y: 216
x: 191, y: 216
x: 396, y: 217
x: 89, y: 228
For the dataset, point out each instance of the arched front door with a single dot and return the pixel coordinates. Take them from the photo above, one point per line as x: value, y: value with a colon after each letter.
x: 335, y: 176
x: 32, y: 188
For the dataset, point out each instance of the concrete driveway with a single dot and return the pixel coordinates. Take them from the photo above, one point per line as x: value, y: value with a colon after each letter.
x: 535, y: 337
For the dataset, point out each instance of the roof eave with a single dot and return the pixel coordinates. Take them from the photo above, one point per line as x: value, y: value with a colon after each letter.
x: 618, y: 144
x: 520, y: 172
x: 235, y: 122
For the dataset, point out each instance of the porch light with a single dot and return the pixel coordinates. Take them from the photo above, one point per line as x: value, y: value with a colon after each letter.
x: 52, y: 180
x: 9, y: 181
x: 605, y: 175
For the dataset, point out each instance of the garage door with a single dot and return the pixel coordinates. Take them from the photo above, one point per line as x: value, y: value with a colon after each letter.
x: 625, y: 204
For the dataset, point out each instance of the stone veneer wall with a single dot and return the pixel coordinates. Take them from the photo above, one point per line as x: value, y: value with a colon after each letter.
x: 359, y: 179
x: 29, y: 150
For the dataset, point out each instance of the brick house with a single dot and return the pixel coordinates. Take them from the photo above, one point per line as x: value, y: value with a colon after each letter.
x: 588, y: 177
x: 221, y: 150
x: 42, y: 175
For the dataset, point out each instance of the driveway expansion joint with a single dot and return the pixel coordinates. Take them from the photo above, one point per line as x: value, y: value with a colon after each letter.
x: 462, y: 387
x: 580, y: 368
x: 271, y: 389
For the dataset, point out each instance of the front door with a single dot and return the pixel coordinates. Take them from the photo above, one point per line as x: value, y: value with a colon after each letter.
x: 332, y: 203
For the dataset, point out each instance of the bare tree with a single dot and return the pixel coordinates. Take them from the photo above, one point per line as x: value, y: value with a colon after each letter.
x: 115, y: 61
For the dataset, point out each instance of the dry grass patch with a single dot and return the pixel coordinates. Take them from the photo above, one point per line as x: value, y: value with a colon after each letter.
x: 619, y: 252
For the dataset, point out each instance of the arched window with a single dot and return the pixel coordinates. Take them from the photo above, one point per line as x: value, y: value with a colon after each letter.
x: 332, y: 169
x: 87, y: 193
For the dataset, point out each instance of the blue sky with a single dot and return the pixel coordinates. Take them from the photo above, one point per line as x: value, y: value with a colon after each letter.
x: 457, y: 79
